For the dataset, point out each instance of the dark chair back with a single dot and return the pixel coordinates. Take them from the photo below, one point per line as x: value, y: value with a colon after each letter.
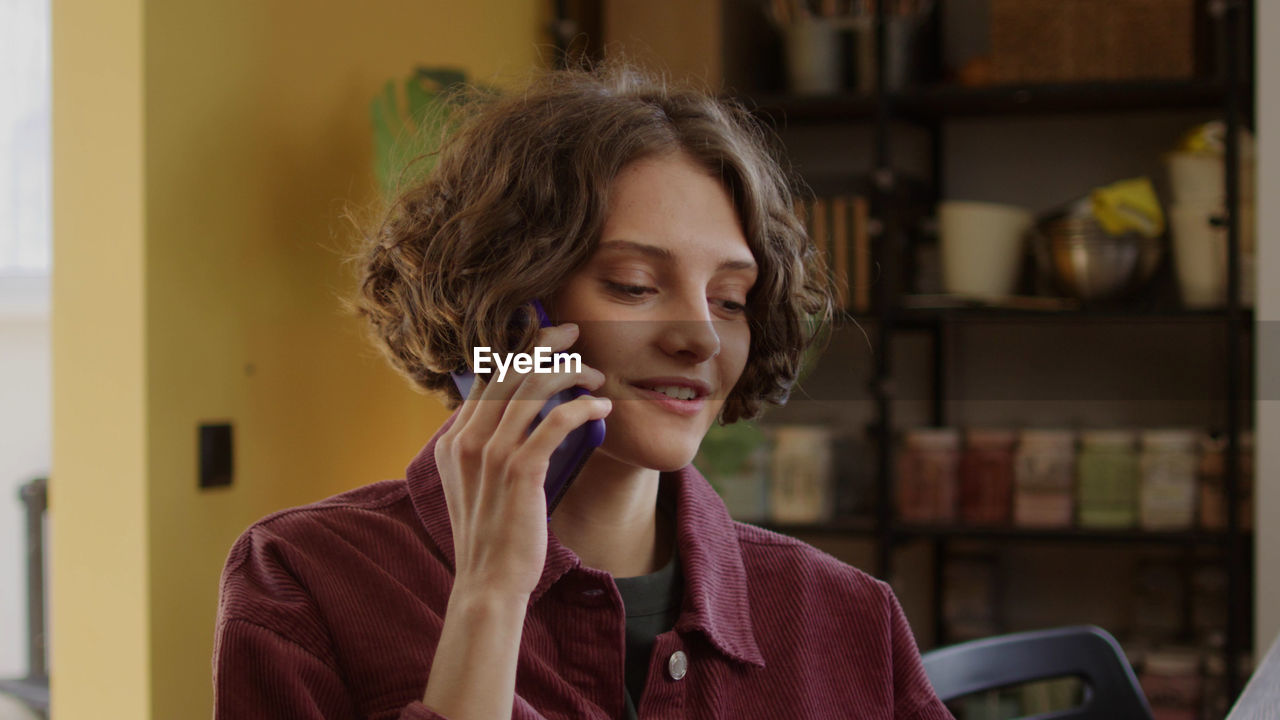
x: 1089, y: 653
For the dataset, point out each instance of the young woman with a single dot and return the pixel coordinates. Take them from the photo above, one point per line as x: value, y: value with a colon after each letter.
x: 656, y: 228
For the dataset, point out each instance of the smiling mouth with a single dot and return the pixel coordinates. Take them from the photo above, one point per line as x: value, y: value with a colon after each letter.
x: 678, y: 399
x: 675, y: 388
x: 675, y: 391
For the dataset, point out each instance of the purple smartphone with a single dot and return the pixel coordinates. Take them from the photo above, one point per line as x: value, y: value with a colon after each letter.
x: 567, y: 459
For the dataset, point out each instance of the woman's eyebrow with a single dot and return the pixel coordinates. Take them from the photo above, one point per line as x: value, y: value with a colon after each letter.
x: 653, y: 251
x: 665, y: 255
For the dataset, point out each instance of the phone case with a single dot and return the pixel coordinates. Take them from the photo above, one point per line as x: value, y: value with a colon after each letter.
x: 569, y: 457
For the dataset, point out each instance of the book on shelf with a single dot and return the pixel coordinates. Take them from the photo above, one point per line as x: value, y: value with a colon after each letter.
x: 837, y: 225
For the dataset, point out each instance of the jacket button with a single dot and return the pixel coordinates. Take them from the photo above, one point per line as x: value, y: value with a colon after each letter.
x: 677, y: 665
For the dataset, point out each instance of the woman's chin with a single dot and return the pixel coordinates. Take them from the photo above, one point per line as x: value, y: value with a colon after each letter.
x: 668, y: 458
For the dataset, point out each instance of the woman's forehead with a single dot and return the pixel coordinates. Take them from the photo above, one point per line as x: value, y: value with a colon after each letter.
x: 671, y: 202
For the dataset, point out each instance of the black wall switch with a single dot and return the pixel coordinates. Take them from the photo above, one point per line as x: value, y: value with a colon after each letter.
x: 215, y: 455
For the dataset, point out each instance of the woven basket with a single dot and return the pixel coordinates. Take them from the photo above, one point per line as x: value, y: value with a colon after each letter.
x: 1045, y: 41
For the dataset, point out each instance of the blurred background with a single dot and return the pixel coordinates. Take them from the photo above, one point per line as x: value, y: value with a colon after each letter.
x: 1046, y: 402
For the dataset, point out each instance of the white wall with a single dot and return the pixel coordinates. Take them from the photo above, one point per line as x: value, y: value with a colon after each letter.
x: 1267, y: 556
x: 25, y: 432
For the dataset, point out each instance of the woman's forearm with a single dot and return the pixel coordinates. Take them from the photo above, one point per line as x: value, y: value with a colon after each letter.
x: 473, y: 675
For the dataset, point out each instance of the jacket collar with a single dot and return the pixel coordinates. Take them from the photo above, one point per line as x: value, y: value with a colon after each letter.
x: 715, y: 578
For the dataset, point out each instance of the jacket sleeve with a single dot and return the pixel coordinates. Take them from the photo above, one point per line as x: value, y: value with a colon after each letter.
x: 914, y: 696
x: 258, y: 673
x: 272, y: 657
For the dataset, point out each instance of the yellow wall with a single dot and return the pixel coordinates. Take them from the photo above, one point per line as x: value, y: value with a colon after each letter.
x: 199, y: 238
x: 98, y: 493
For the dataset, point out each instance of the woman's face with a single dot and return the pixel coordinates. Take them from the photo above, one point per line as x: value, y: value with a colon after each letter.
x: 661, y: 308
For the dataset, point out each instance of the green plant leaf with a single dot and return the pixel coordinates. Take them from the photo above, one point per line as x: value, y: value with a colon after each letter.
x: 408, y: 127
x: 727, y: 449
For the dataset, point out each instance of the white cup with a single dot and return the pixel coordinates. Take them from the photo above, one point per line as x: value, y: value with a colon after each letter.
x: 982, y: 246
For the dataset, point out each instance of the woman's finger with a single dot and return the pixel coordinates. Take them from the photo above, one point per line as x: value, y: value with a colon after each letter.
x: 557, y: 425
x: 533, y: 394
x: 493, y: 400
x: 469, y: 402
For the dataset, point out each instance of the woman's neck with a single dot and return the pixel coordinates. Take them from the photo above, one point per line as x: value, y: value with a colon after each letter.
x: 608, y: 517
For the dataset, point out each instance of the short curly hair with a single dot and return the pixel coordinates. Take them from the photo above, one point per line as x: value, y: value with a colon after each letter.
x: 517, y: 202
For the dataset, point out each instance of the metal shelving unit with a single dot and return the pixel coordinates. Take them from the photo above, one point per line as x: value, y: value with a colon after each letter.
x: 929, y: 107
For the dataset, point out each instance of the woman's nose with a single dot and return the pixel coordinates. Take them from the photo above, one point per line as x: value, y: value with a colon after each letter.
x: 690, y: 333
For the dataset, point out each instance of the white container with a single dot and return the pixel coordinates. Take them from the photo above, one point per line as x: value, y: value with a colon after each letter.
x: 1197, y: 178
x: 1169, y: 462
x: 1108, y: 479
x: 1044, y: 479
x: 1200, y: 254
x: 813, y: 56
x: 982, y: 247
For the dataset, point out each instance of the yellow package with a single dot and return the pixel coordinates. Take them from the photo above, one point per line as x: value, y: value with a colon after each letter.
x: 1128, y: 206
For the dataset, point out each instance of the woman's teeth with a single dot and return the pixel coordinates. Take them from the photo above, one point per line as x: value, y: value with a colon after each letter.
x: 679, y: 393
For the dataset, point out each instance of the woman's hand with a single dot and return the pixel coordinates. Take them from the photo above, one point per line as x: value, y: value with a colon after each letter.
x: 492, y: 470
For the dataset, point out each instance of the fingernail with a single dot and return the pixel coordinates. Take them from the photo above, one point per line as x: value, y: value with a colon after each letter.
x: 571, y: 327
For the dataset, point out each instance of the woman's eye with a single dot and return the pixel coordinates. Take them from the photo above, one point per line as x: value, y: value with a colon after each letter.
x: 732, y: 306
x: 636, y: 291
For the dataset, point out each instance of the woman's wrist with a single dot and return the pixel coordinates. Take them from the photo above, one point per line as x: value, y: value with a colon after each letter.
x: 473, y: 673
x: 478, y: 596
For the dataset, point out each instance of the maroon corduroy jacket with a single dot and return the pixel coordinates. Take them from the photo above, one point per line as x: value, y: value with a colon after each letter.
x: 333, y: 610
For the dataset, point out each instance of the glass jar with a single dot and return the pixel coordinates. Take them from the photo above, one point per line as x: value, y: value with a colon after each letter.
x: 800, y: 490
x: 1216, y: 699
x: 1172, y: 683
x: 986, y: 477
x: 1213, y: 473
x: 927, y: 475
x: 1107, y: 472
x: 1169, y: 465
x: 1045, y: 479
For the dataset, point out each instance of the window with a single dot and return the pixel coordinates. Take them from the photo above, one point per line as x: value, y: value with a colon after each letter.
x: 25, y: 158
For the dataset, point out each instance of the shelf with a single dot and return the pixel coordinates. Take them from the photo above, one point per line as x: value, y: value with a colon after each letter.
x: 945, y: 101
x: 783, y: 110
x: 865, y: 527
x: 1094, y: 97
x: 927, y: 318
x: 922, y: 318
x: 1069, y: 535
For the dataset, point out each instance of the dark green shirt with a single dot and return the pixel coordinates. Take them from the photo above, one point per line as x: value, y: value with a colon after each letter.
x: 652, y: 604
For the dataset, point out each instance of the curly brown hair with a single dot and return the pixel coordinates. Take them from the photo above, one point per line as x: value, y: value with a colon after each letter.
x: 517, y: 203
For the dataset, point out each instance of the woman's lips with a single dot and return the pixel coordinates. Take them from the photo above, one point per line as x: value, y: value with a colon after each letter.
x: 687, y: 408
